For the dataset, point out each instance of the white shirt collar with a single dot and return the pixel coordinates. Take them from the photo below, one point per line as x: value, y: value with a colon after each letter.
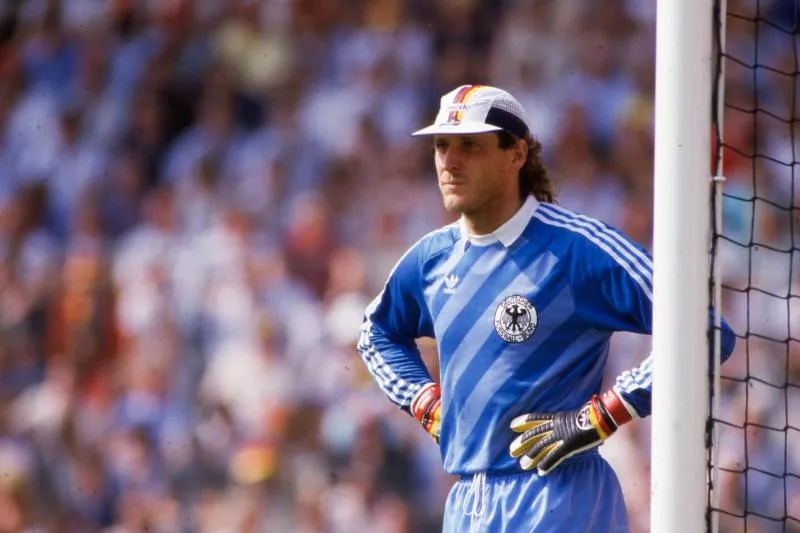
x: 509, y: 232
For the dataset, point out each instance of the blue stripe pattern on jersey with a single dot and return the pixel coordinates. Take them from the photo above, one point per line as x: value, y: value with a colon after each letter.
x: 432, y: 286
x: 504, y: 362
x: 582, y: 374
x: 635, y: 263
x: 461, y: 337
x: 630, y: 257
x: 474, y: 270
x: 580, y: 278
x: 482, y: 334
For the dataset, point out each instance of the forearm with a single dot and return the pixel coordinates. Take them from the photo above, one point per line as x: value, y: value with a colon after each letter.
x: 635, y: 387
x: 397, y: 368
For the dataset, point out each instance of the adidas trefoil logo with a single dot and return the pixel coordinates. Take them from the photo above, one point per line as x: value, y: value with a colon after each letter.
x: 450, y: 282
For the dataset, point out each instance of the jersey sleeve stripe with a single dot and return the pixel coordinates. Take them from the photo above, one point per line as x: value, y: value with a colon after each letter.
x: 600, y: 227
x: 637, y: 378
x: 638, y: 259
x: 398, y: 390
x: 642, y: 276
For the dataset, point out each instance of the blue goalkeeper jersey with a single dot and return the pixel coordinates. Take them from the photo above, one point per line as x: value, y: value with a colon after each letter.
x: 522, y: 320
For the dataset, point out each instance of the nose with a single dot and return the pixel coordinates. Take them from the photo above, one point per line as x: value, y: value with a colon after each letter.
x: 451, y: 159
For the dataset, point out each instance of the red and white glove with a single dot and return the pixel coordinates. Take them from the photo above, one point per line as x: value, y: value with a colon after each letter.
x: 427, y: 408
x: 548, y: 439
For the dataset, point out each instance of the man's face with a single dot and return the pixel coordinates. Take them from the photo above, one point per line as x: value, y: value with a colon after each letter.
x: 473, y: 171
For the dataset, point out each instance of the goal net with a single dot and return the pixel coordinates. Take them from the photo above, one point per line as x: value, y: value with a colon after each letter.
x: 756, y: 268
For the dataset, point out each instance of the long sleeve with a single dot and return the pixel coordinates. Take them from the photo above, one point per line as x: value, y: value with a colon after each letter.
x: 620, y: 284
x: 392, y: 323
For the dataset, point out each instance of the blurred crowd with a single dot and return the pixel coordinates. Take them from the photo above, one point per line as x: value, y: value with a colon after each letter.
x: 199, y: 198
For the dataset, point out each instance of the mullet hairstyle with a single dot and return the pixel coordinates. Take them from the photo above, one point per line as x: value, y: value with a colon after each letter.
x: 533, y: 178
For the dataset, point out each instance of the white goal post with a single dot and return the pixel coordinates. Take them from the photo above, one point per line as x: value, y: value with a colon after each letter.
x: 685, y: 61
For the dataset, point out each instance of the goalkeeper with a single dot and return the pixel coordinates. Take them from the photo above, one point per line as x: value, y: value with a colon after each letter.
x: 522, y: 297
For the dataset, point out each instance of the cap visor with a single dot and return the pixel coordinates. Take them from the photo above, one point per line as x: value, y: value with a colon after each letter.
x: 461, y: 128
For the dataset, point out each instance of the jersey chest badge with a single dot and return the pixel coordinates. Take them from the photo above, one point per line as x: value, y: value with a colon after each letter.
x: 515, y: 319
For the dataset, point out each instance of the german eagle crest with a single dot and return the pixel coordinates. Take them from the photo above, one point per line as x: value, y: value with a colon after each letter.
x: 515, y: 319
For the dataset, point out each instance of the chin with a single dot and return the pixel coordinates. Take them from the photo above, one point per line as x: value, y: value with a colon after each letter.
x: 454, y: 204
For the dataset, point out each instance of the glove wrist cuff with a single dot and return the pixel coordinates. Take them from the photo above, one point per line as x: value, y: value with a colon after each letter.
x: 616, y: 408
x: 423, y: 403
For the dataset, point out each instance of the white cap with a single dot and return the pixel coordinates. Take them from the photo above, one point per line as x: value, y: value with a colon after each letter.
x: 478, y: 109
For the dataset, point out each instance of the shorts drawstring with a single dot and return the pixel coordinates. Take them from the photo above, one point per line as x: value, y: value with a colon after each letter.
x: 475, y: 500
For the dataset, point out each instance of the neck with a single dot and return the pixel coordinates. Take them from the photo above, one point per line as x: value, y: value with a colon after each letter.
x: 491, y: 216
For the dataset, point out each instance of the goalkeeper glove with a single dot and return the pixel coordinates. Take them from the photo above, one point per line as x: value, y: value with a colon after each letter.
x: 547, y: 439
x: 427, y: 408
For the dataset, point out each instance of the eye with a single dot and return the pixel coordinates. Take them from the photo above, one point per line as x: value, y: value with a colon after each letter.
x: 469, y: 144
x: 440, y: 145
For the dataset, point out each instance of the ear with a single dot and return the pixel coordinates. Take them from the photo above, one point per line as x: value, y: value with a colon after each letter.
x: 519, y: 153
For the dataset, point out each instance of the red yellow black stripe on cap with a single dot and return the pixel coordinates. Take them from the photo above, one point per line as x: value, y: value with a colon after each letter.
x: 462, y: 97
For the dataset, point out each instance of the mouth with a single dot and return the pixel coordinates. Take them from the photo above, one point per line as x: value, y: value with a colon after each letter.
x: 450, y: 187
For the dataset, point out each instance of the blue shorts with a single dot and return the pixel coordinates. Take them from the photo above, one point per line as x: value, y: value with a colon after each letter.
x: 581, y: 495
